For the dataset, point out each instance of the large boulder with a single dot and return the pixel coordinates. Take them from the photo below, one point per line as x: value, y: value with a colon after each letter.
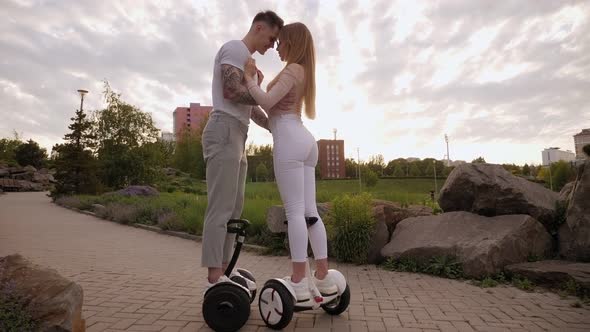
x: 553, y: 273
x: 484, y: 245
x: 387, y: 215
x: 25, y: 185
x: 138, y: 191
x: 566, y: 191
x: 57, y: 302
x: 490, y: 190
x: 574, y: 234
x: 43, y: 178
x: 30, y: 169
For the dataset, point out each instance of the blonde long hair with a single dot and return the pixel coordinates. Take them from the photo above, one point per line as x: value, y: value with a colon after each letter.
x: 302, y: 51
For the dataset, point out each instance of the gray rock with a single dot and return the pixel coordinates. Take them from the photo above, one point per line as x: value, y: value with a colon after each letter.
x: 490, y: 190
x: 566, y: 191
x: 57, y: 301
x: 553, y: 273
x: 138, y: 191
x: 574, y: 234
x: 484, y: 245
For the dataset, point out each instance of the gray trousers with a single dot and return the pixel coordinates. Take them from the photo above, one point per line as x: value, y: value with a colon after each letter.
x: 224, y: 142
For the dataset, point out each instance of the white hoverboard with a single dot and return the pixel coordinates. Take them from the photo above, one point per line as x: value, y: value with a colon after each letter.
x: 277, y: 301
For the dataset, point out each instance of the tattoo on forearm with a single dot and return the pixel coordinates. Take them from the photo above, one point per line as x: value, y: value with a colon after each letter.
x: 233, y: 86
x: 259, y: 118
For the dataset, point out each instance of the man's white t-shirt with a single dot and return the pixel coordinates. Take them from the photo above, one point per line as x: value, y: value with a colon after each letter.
x: 233, y: 53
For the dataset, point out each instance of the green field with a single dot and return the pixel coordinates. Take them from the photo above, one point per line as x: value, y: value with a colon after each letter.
x: 398, y: 190
x: 185, y: 211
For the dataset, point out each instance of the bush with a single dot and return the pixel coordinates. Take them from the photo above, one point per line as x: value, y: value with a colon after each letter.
x: 70, y: 201
x: 350, y: 227
x: 122, y: 213
x: 445, y: 266
x: 523, y: 283
x: 369, y: 178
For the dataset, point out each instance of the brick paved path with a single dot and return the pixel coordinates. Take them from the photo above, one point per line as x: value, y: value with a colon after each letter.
x: 137, y: 280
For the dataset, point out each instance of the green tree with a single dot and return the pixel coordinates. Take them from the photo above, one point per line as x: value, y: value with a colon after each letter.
x: 188, y: 154
x: 74, y: 162
x: 526, y: 170
x: 30, y: 153
x: 258, y: 154
x: 8, y: 147
x: 121, y: 131
x: 351, y: 168
x: 478, y: 160
x: 376, y: 164
x: 414, y: 169
x: 261, y: 173
x: 368, y: 177
x: 393, y: 164
x: 562, y: 172
x: 398, y: 171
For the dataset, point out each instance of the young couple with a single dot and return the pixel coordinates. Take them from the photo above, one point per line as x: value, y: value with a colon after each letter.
x: 237, y: 98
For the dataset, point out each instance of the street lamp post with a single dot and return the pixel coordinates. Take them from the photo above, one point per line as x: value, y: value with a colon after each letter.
x: 448, y: 157
x: 82, y: 93
x: 435, y: 183
x: 550, y: 177
x: 358, y: 159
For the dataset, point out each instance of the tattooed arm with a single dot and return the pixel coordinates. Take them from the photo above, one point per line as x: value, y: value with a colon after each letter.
x: 259, y: 117
x: 233, y: 86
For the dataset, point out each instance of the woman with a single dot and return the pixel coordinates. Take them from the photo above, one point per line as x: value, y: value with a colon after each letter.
x: 295, y: 152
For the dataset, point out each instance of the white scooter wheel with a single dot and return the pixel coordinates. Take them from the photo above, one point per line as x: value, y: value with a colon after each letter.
x: 276, y: 305
x: 339, y: 304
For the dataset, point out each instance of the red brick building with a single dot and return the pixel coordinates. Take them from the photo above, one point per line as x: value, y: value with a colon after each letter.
x: 331, y: 159
x: 189, y: 118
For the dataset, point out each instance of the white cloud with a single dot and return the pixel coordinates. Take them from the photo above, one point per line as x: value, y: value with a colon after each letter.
x: 503, y: 79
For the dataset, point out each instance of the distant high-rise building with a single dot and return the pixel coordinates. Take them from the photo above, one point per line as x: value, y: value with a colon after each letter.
x: 331, y: 158
x: 189, y: 118
x: 168, y: 136
x: 580, y: 140
x: 552, y: 155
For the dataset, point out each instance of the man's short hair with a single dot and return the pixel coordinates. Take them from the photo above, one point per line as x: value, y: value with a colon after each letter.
x: 269, y: 17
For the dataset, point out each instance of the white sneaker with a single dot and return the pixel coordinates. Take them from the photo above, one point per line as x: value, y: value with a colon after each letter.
x: 301, y: 289
x: 223, y: 279
x: 326, y: 286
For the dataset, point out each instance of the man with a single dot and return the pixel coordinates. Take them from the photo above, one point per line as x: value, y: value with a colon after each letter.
x: 224, y: 140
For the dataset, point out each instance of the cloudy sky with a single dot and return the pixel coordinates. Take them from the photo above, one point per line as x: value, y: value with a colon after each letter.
x: 504, y: 79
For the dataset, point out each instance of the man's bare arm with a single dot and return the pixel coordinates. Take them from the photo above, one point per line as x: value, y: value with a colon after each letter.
x: 259, y: 117
x: 233, y: 86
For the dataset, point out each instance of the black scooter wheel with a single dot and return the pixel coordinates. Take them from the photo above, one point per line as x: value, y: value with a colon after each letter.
x: 276, y: 305
x: 226, y: 307
x: 339, y: 304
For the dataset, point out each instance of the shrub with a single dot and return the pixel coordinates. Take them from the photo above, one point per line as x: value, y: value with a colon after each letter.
x: 350, y: 227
